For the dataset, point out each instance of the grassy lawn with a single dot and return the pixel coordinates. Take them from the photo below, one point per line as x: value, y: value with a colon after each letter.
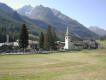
x: 76, y: 65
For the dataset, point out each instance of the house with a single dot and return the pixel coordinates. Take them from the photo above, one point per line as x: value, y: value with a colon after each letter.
x: 76, y: 45
x: 33, y: 44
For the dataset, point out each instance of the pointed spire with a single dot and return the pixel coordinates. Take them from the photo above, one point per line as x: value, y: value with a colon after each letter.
x: 67, y: 31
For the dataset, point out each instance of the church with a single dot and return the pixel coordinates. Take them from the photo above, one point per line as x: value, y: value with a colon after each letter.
x: 76, y: 45
x: 68, y: 42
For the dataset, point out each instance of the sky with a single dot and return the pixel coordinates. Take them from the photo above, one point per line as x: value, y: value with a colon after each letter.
x: 87, y: 12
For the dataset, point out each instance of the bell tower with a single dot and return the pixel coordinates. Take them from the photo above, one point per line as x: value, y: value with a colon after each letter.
x: 67, y: 40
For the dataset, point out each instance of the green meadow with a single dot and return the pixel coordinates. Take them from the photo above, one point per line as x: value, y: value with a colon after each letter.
x: 75, y: 65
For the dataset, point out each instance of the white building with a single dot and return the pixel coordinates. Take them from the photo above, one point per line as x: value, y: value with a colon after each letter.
x: 7, y: 42
x: 75, y: 45
x: 68, y: 42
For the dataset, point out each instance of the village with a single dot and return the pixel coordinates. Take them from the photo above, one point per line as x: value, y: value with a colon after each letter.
x: 33, y: 46
x: 52, y: 40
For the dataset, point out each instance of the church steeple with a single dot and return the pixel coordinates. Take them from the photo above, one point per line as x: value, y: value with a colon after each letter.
x: 67, y: 31
x: 67, y: 39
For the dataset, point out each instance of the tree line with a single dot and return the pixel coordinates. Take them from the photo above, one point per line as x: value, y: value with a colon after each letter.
x: 103, y: 38
x: 10, y: 30
x: 47, y: 41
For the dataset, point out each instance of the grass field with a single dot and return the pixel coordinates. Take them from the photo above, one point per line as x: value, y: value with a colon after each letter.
x: 76, y: 65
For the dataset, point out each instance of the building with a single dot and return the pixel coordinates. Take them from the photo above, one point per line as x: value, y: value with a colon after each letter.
x: 60, y: 45
x: 77, y: 45
x: 7, y: 42
x: 68, y: 41
x: 33, y: 44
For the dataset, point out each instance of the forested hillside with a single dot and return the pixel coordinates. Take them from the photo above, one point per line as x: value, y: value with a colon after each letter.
x: 11, y: 21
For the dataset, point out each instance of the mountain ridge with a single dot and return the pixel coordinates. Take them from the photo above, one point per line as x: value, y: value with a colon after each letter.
x: 12, y: 21
x: 25, y: 10
x: 98, y: 30
x: 59, y: 21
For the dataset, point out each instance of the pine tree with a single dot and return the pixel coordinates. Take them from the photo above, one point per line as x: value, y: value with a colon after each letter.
x: 41, y: 40
x: 48, y: 39
x: 45, y: 41
x: 54, y: 38
x: 23, y: 37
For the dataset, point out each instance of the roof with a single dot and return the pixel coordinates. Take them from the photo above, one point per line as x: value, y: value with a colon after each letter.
x: 33, y: 42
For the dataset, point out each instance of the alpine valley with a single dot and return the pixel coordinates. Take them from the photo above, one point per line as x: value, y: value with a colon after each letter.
x: 37, y: 19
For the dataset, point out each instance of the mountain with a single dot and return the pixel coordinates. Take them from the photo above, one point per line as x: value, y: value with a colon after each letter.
x: 97, y: 30
x: 11, y: 21
x: 25, y: 10
x: 59, y: 21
